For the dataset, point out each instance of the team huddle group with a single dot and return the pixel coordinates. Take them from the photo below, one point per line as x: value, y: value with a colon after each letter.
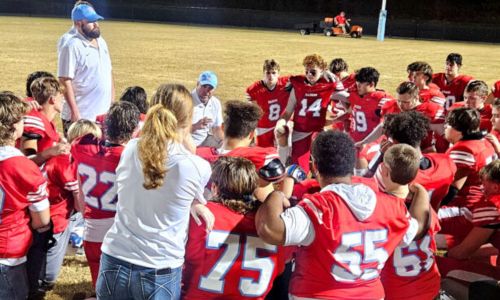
x: 320, y: 186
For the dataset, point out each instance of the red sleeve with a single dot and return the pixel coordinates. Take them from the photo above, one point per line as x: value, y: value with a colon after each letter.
x: 33, y: 183
x: 496, y: 89
x: 487, y: 213
x: 66, y: 172
x: 33, y: 125
x: 463, y: 157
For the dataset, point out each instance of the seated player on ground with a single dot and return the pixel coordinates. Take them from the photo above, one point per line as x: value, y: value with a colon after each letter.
x: 135, y: 95
x: 230, y: 261
x: 310, y: 97
x: 338, y: 227
x: 96, y: 162
x: 470, y: 153
x: 460, y: 266
x: 271, y: 96
x: 411, y: 271
x: 40, y: 139
x: 436, y: 170
x: 240, y: 120
x: 451, y: 82
x: 24, y: 200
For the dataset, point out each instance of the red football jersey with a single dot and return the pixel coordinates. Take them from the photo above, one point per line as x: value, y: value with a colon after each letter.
x: 411, y: 272
x: 308, y: 186
x: 487, y: 214
x: 230, y: 262
x: 432, y: 95
x: 209, y: 154
x: 100, y: 120
x: 454, y: 90
x: 96, y: 164
x: 369, y: 150
x: 349, y: 83
x: 496, y: 89
x: 431, y: 110
x: 366, y: 112
x: 346, y: 256
x: 436, y: 179
x: 21, y: 185
x: 62, y: 182
x: 273, y: 102
x: 471, y: 155
x: 485, y: 113
x: 312, y: 103
x: 37, y: 123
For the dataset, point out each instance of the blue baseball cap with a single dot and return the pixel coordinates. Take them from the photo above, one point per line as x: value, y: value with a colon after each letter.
x: 208, y: 77
x: 84, y: 11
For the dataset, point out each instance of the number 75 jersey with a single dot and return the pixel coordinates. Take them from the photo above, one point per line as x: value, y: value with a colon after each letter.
x: 96, y: 164
x: 230, y: 262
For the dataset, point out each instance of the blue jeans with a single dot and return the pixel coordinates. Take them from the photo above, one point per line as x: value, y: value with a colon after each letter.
x: 119, y: 279
x: 13, y: 282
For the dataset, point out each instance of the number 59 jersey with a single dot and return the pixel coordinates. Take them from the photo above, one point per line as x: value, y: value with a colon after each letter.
x: 354, y: 236
x: 230, y: 262
x: 311, y: 103
x: 96, y: 164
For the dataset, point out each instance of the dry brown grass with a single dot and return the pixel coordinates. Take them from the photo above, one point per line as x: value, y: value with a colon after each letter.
x: 149, y: 54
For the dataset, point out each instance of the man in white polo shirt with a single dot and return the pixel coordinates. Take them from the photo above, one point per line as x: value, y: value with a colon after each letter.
x: 84, y: 69
x: 207, y: 112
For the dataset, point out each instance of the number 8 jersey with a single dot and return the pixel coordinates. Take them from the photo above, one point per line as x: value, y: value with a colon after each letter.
x: 96, y: 164
x: 230, y: 262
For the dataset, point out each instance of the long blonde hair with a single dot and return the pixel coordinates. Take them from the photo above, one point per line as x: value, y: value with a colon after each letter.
x: 172, y: 108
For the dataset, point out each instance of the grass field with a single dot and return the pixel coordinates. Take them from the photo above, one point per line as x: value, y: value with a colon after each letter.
x: 148, y: 54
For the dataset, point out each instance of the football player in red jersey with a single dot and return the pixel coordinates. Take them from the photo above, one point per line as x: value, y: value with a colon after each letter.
x: 133, y: 94
x: 230, y: 261
x: 241, y: 119
x: 411, y: 272
x: 310, y: 97
x: 470, y: 153
x: 494, y: 135
x: 23, y: 200
x: 96, y: 162
x: 40, y: 138
x: 345, y: 243
x: 366, y: 103
x: 420, y: 73
x: 437, y: 170
x: 451, y: 82
x: 460, y: 263
x: 271, y: 96
x: 475, y: 96
x: 495, y: 93
x: 408, y: 99
x: 339, y: 68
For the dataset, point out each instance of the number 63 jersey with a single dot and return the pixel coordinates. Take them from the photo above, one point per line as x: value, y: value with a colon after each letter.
x: 230, y: 262
x: 96, y: 164
x: 411, y: 273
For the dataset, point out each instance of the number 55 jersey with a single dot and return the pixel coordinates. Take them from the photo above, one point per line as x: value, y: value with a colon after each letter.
x: 355, y: 232
x: 230, y: 262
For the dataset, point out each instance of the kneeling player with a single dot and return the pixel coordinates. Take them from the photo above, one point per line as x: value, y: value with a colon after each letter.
x: 231, y: 261
x: 96, y: 164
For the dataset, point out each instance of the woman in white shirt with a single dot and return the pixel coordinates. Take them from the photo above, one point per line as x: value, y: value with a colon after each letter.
x: 158, y: 178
